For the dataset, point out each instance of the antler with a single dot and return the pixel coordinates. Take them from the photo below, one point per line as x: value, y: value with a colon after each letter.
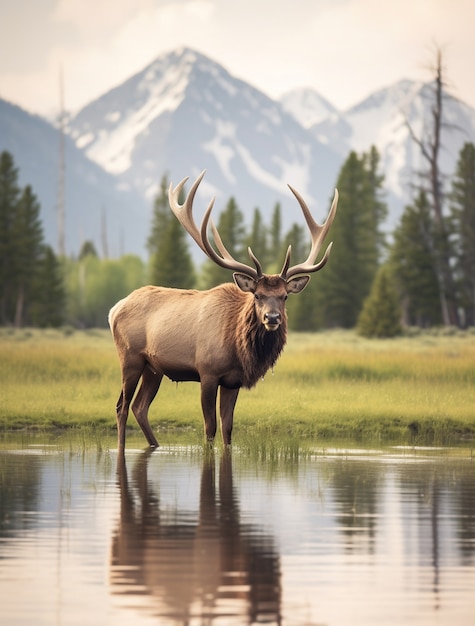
x: 318, y: 233
x: 184, y: 214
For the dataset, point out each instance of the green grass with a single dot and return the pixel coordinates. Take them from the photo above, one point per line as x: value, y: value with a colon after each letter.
x: 325, y: 386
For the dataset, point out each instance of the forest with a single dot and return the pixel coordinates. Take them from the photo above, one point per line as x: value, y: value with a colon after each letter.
x: 422, y: 275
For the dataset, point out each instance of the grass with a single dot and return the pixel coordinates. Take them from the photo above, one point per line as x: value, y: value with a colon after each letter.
x: 325, y: 386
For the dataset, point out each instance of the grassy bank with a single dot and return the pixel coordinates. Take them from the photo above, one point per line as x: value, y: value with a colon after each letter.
x: 328, y: 385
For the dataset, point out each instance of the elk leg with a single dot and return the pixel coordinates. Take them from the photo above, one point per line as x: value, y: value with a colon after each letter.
x: 227, y: 402
x: 148, y: 390
x: 130, y: 378
x: 209, y: 391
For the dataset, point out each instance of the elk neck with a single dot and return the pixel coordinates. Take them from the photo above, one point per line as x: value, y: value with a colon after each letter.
x: 257, y: 348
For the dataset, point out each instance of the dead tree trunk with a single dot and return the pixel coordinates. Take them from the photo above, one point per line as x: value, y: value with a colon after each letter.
x: 437, y: 240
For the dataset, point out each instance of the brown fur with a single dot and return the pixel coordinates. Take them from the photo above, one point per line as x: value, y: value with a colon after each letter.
x: 256, y: 348
x: 216, y: 337
x: 227, y: 337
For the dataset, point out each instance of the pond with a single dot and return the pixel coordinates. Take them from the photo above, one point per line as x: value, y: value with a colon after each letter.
x: 187, y: 536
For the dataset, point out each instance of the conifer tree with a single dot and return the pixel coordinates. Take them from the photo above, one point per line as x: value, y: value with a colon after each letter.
x: 412, y: 266
x: 9, y: 194
x: 275, y: 238
x: 87, y: 249
x: 173, y: 266
x: 380, y: 315
x: 296, y: 307
x: 170, y: 261
x: 257, y: 239
x: 27, y: 240
x: 463, y: 224
x: 346, y: 279
x: 161, y: 217
x: 49, y: 302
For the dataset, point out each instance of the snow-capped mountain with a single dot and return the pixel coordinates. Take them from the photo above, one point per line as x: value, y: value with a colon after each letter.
x: 93, y: 198
x: 185, y: 113
x: 384, y: 120
x: 307, y: 106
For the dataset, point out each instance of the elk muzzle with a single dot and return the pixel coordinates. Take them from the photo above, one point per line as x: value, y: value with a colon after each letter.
x: 272, y: 320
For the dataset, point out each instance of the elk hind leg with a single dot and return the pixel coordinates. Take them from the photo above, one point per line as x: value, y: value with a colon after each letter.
x: 227, y: 402
x: 131, y: 373
x: 148, y: 390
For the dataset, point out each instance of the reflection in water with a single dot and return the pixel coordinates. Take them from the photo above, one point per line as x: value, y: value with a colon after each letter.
x: 205, y: 563
x: 171, y: 538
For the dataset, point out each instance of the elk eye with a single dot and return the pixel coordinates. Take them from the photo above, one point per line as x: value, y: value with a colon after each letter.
x: 256, y: 296
x: 285, y: 297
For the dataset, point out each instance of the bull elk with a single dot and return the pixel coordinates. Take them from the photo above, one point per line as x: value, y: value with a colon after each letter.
x: 226, y: 337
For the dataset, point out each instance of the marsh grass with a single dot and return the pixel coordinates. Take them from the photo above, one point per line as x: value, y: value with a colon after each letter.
x: 327, y: 385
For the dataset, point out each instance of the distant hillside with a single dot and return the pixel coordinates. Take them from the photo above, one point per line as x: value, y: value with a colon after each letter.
x: 92, y: 196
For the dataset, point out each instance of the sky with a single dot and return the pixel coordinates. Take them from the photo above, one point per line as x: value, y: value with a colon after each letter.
x: 344, y: 49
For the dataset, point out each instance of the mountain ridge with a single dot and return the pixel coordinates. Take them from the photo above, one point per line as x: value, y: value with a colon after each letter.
x: 183, y: 113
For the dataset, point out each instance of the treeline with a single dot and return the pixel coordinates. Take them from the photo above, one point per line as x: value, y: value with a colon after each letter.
x: 422, y: 275
x: 367, y: 283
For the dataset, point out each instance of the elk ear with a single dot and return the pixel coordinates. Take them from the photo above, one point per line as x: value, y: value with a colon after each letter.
x: 298, y: 284
x: 245, y: 283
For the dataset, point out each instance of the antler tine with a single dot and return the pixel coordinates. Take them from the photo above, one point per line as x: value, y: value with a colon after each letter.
x: 226, y: 260
x: 226, y: 255
x: 184, y: 214
x: 318, y: 233
x: 285, y: 267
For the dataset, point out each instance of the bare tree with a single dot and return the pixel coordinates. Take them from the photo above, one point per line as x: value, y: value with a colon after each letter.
x: 436, y: 237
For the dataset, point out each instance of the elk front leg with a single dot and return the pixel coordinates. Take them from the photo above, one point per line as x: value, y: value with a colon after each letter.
x: 209, y: 391
x: 227, y: 402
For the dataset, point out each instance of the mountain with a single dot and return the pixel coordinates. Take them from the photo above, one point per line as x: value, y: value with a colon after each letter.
x: 184, y: 113
x: 92, y: 196
x: 307, y: 106
x: 383, y: 119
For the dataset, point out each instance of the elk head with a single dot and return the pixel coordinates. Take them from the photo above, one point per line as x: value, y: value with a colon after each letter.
x: 270, y: 290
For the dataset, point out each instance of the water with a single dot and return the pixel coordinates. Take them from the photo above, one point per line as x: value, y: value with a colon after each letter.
x: 335, y: 537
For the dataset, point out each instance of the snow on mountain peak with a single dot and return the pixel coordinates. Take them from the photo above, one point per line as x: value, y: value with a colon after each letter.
x: 307, y: 106
x: 126, y: 112
x: 184, y: 112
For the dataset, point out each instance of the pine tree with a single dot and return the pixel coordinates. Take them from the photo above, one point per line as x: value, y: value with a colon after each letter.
x: 48, y: 305
x: 298, y: 316
x: 87, y: 249
x: 275, y: 239
x: 27, y: 240
x: 257, y: 239
x: 161, y: 217
x: 411, y: 263
x: 463, y: 222
x: 9, y: 195
x: 356, y: 233
x: 173, y: 266
x: 380, y: 315
x: 170, y: 261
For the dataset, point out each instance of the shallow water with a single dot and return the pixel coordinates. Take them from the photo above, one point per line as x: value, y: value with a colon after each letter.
x: 335, y: 537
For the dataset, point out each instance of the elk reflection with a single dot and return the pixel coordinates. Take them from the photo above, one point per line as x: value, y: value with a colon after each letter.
x: 190, y: 564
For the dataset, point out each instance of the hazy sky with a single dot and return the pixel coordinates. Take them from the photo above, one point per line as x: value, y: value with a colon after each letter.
x: 343, y: 48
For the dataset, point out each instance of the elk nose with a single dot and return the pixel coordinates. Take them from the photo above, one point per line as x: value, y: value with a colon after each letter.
x: 272, y: 318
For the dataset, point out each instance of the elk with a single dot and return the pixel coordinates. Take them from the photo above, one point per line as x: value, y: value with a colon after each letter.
x: 227, y: 337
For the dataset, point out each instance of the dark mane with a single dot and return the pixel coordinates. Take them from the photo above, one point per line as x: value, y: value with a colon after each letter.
x: 257, y: 349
